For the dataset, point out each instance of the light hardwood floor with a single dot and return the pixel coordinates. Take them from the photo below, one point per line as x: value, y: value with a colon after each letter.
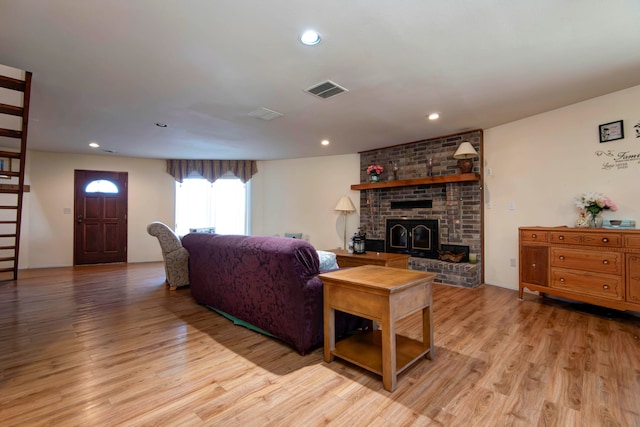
x: 111, y: 345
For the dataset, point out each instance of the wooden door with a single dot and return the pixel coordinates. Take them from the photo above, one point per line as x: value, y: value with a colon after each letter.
x: 100, y: 217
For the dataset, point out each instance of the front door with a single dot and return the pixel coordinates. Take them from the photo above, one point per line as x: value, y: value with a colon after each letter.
x: 100, y: 217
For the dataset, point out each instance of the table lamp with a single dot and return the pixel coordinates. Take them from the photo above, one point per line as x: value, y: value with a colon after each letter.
x: 345, y: 207
x: 465, y: 153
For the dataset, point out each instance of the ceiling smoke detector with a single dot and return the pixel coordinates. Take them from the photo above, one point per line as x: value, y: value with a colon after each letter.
x: 326, y: 89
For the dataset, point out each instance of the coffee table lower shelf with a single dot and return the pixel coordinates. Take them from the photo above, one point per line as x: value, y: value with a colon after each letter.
x: 365, y: 350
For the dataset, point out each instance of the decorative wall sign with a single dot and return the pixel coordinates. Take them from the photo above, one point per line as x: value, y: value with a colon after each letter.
x: 611, y: 131
x: 637, y: 128
x: 619, y: 160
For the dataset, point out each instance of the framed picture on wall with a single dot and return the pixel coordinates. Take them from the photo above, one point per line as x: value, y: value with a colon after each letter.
x: 611, y: 131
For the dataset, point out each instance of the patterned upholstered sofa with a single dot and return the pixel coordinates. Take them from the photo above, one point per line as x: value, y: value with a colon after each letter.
x: 268, y: 282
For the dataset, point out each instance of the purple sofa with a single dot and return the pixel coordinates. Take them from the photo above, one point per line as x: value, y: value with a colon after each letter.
x: 268, y: 282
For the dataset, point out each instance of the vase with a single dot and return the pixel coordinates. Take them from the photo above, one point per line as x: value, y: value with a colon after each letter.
x: 595, y: 221
x: 374, y: 177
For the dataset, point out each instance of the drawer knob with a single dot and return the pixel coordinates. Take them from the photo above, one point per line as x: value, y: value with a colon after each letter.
x: 561, y: 257
x: 534, y: 236
x: 560, y: 237
x: 605, y: 240
x: 605, y: 262
x: 533, y: 265
x: 562, y: 280
x: 605, y: 286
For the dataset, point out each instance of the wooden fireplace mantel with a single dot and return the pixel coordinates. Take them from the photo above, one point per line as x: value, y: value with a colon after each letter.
x: 443, y: 179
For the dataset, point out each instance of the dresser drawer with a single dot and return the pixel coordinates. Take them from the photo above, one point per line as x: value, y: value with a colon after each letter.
x: 613, y: 240
x: 598, y: 285
x: 534, y: 236
x: 632, y: 241
x: 596, y: 261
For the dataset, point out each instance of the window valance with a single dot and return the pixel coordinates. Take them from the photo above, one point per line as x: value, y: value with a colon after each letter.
x: 211, y: 169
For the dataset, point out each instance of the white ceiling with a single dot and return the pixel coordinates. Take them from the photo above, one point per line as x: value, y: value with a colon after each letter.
x: 107, y: 71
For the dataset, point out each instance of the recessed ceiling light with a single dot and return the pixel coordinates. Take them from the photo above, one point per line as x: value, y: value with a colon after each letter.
x: 161, y: 125
x: 310, y: 38
x: 434, y: 116
x: 325, y: 142
x: 94, y: 145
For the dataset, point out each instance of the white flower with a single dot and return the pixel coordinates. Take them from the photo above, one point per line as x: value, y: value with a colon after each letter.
x: 594, y: 202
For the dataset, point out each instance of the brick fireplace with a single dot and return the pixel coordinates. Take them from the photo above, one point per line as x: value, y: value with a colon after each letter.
x: 418, y: 237
x: 456, y: 206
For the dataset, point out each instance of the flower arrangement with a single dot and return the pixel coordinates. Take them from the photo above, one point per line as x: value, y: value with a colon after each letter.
x: 594, y: 203
x: 375, y: 169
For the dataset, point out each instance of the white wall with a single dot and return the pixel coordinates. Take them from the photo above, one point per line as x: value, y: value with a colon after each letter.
x: 287, y: 196
x: 47, y: 239
x: 542, y: 162
x: 299, y: 195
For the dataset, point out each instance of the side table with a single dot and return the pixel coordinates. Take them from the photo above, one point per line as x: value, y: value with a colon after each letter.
x: 384, y: 295
x: 385, y: 259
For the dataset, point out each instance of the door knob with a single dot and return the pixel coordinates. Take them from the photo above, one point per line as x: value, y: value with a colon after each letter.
x: 79, y: 219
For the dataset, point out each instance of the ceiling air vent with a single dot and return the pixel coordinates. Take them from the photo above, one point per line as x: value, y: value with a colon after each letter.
x: 326, y: 89
x: 265, y: 114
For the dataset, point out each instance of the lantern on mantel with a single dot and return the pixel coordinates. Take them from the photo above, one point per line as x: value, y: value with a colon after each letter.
x: 358, y: 242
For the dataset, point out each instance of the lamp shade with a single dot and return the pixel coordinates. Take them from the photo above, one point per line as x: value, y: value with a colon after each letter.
x: 345, y: 205
x: 465, y: 151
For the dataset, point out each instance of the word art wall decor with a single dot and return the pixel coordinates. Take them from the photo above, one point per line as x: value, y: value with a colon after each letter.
x: 619, y: 160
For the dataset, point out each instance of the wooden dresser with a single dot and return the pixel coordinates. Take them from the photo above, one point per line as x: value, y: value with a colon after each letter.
x: 594, y: 265
x: 384, y: 259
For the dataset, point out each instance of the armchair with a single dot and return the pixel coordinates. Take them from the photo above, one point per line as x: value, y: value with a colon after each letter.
x: 176, y: 257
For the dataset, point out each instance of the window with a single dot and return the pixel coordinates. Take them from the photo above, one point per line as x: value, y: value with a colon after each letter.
x: 101, y: 186
x: 223, y: 205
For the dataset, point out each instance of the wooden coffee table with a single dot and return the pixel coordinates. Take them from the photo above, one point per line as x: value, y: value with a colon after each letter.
x: 385, y: 259
x: 383, y: 295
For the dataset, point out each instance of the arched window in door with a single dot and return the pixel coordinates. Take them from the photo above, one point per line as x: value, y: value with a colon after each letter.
x: 101, y: 186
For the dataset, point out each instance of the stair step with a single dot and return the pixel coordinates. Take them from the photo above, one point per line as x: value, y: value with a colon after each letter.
x: 8, y: 207
x: 12, y: 110
x: 11, y: 83
x: 8, y: 222
x: 7, y: 235
x: 11, y: 154
x: 10, y: 133
x: 8, y: 258
x: 4, y: 248
x: 5, y: 270
x: 13, y: 188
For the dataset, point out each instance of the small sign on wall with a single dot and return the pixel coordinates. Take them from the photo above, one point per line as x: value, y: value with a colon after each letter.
x: 611, y: 131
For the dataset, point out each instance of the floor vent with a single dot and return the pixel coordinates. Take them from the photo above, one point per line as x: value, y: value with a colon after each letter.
x: 326, y: 89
